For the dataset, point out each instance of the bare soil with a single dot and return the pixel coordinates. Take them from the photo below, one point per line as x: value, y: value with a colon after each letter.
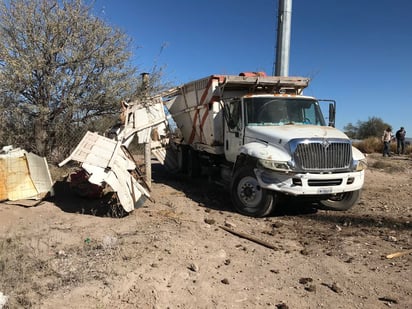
x: 178, y: 253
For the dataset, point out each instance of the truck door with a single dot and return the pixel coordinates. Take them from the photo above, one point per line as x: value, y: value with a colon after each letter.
x: 233, y: 129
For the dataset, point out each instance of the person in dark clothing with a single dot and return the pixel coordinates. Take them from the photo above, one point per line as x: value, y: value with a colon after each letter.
x: 400, y: 140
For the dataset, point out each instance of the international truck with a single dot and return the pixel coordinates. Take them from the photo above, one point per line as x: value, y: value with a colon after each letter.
x: 259, y: 136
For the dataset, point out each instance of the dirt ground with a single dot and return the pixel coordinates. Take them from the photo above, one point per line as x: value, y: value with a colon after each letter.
x: 178, y: 252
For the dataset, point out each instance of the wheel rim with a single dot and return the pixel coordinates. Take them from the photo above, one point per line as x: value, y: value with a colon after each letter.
x: 249, y: 192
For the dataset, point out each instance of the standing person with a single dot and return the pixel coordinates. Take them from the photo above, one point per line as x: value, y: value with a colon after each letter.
x: 400, y: 140
x: 386, y: 139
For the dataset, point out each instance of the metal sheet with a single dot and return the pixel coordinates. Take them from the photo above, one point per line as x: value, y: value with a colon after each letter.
x: 18, y: 181
x: 39, y: 173
x: 93, y: 149
x: 23, y: 176
x: 106, y: 162
x: 3, y: 173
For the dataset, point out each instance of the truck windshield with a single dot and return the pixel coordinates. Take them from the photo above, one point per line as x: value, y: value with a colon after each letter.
x: 281, y: 111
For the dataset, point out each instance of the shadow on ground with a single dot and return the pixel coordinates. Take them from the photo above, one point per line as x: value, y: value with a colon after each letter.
x: 211, y: 195
x: 68, y: 201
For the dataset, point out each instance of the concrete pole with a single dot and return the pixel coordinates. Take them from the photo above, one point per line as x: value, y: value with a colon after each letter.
x: 283, y: 38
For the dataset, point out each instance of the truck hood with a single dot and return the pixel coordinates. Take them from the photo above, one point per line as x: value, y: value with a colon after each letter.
x: 276, y: 135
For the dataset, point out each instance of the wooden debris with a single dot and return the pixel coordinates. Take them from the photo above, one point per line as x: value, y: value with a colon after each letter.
x: 249, y: 237
x: 334, y: 287
x: 398, y: 254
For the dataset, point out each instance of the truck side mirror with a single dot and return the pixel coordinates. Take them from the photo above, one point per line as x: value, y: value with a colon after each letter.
x: 332, y: 113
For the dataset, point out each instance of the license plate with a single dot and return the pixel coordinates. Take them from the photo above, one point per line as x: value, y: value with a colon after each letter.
x: 325, y: 190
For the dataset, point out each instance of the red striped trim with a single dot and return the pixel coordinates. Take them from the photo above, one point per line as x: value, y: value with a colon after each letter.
x: 202, y: 99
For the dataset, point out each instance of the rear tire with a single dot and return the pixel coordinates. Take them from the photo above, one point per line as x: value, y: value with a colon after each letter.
x: 248, y: 197
x: 341, y: 201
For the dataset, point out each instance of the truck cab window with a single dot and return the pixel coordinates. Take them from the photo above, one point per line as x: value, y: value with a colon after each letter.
x: 266, y: 111
x: 282, y: 111
x: 235, y: 120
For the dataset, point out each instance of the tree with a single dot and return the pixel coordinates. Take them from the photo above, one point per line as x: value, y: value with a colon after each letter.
x: 60, y: 67
x: 350, y: 130
x: 373, y: 127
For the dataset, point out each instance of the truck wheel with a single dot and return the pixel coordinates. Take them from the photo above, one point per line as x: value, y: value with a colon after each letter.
x: 340, y: 201
x: 248, y: 197
x: 193, y: 164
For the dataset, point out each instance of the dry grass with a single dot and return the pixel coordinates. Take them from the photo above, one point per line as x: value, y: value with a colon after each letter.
x: 374, y: 145
x: 19, y: 268
x: 388, y: 164
x: 32, y: 267
x: 369, y: 145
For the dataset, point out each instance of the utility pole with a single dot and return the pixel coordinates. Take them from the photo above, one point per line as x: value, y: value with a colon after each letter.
x: 283, y: 38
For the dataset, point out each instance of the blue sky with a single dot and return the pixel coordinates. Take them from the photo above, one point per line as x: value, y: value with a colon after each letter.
x: 357, y: 52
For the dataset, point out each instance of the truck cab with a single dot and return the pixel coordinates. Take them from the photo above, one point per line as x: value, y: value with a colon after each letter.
x: 253, y: 113
x: 281, y: 144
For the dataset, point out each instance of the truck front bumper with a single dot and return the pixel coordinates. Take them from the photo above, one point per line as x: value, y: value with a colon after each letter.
x: 310, y: 184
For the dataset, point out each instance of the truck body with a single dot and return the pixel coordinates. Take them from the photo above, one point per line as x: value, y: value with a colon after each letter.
x: 261, y: 137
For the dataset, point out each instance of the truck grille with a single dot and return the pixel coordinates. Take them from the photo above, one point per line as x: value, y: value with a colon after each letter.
x: 323, y: 155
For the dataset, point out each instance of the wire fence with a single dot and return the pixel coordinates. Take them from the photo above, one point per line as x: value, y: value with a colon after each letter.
x: 67, y: 137
x: 60, y: 141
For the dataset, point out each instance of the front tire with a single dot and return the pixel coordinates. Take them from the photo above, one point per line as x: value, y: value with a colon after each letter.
x: 248, y: 197
x: 341, y: 201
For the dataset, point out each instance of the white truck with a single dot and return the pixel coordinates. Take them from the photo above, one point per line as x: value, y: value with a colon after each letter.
x: 257, y: 135
x: 261, y: 137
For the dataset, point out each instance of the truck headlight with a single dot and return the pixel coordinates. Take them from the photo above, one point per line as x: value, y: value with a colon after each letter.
x: 360, y: 165
x: 275, y: 165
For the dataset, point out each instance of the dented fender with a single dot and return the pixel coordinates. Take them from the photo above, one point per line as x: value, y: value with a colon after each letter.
x: 264, y: 151
x: 357, y: 154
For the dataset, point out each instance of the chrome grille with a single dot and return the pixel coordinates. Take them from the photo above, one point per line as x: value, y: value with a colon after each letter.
x: 323, y: 155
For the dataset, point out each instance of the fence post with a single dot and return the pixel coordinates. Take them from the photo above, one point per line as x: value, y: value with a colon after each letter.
x: 147, y: 146
x: 148, y: 162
